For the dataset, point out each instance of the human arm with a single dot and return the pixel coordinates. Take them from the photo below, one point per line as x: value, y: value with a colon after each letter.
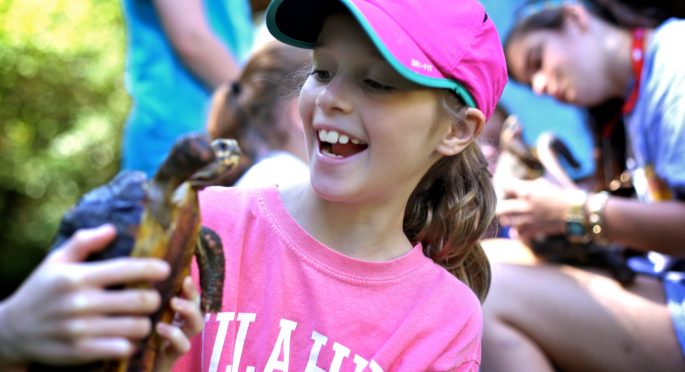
x: 539, y: 207
x: 647, y: 226
x: 187, y: 28
x: 62, y: 313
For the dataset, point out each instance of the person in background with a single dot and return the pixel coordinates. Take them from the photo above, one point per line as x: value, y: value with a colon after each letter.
x: 65, y: 314
x: 490, y: 138
x: 178, y: 52
x: 260, y: 111
x: 373, y: 263
x: 545, y: 317
x: 638, y: 13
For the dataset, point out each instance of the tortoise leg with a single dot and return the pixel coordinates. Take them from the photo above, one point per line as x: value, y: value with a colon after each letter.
x: 210, y: 260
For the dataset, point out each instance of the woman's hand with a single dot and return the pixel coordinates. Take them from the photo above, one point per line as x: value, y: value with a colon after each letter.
x: 187, y: 323
x: 534, y: 208
x: 64, y: 314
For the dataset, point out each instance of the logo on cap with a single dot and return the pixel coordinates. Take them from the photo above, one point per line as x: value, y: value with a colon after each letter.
x: 424, y: 66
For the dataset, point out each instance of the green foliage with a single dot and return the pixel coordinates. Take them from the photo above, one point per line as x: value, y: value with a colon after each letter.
x: 62, y: 109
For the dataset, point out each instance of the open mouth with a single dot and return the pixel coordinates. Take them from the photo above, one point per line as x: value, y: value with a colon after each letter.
x: 337, y: 145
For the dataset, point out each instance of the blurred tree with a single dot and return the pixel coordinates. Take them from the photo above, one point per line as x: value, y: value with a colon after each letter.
x: 62, y: 109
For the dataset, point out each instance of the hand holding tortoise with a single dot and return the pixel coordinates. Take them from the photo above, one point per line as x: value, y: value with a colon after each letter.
x: 156, y: 221
x: 62, y: 314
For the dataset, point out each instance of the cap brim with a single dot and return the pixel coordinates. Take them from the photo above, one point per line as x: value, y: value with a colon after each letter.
x: 393, y: 42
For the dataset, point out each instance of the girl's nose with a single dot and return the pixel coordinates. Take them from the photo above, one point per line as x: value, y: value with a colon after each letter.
x: 336, y: 96
x: 539, y: 83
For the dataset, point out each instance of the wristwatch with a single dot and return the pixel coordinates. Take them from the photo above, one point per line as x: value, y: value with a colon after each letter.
x: 576, y: 222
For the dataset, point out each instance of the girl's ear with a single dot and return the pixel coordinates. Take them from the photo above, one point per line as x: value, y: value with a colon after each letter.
x: 577, y: 15
x: 462, y: 132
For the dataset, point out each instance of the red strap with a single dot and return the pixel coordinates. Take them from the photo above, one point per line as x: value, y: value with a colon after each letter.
x: 637, y: 52
x: 608, y: 129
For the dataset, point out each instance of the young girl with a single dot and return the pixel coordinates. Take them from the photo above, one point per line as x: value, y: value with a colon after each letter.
x: 542, y: 316
x: 374, y: 264
x: 260, y: 111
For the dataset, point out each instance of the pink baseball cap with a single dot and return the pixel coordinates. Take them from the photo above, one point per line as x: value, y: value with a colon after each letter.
x: 436, y: 43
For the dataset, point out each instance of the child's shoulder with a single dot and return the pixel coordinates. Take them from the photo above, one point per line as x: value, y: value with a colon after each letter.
x: 465, y: 297
x: 452, y: 293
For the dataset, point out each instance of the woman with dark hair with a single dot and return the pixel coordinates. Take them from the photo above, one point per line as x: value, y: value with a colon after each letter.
x: 542, y: 316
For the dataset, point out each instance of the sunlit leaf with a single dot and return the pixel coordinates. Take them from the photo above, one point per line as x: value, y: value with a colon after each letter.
x: 62, y: 109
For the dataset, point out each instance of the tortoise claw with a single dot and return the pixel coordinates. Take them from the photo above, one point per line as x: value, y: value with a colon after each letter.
x: 210, y: 260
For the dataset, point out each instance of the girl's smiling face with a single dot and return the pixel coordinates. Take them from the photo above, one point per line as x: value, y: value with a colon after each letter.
x: 370, y: 133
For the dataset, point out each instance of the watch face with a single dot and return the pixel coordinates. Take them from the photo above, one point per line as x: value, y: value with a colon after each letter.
x: 575, y: 228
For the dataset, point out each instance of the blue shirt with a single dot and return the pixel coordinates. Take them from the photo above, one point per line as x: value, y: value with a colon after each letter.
x: 168, y: 101
x: 656, y: 126
x: 656, y: 131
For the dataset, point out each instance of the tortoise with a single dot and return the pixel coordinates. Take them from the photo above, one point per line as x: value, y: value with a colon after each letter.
x: 160, y: 218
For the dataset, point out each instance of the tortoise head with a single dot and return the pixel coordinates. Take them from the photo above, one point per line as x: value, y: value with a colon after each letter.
x: 189, y: 154
x: 226, y: 158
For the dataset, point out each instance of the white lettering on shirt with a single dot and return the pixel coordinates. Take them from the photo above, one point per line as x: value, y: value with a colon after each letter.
x: 375, y: 367
x: 341, y: 352
x: 245, y: 319
x: 282, y: 345
x: 279, y: 359
x: 223, y: 319
x: 319, y: 342
x: 361, y: 363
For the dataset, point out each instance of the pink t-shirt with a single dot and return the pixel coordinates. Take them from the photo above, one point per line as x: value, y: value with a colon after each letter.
x: 292, y: 304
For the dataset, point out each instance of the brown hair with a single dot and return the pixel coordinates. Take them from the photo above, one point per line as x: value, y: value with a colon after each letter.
x: 619, y: 13
x: 550, y: 19
x: 451, y: 208
x: 249, y: 108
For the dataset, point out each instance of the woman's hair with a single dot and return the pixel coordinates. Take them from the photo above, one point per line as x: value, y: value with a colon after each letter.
x: 619, y: 13
x: 638, y: 13
x: 249, y: 108
x: 451, y: 208
x: 549, y: 19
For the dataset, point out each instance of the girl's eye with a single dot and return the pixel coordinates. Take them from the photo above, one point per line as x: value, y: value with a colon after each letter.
x: 321, y: 75
x: 374, y: 85
x: 535, y: 59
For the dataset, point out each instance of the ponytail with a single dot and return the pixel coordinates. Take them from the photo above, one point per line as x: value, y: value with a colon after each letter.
x: 448, y: 212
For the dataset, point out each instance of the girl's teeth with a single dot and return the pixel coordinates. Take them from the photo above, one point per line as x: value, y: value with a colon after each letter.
x: 326, y: 152
x: 331, y: 136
